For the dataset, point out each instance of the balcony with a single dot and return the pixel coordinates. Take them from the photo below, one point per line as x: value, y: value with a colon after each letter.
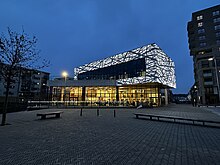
x: 208, y: 82
x: 207, y: 74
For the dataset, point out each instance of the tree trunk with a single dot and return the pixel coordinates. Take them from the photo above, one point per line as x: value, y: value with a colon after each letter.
x: 5, y: 105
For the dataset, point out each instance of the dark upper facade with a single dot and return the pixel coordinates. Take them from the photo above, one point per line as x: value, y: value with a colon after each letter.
x: 204, y: 31
x: 204, y: 45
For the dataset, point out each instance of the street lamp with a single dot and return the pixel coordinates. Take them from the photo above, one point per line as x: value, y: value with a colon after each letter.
x: 64, y: 74
x: 216, y: 72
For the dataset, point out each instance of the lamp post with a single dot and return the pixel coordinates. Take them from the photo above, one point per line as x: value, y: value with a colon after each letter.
x: 64, y: 74
x: 216, y: 72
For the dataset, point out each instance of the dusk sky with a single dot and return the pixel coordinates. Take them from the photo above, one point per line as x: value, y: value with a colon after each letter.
x: 75, y: 32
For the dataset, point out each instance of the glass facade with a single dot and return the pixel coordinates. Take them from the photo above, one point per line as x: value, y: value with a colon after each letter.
x: 125, y: 70
x: 131, y: 95
x: 67, y: 94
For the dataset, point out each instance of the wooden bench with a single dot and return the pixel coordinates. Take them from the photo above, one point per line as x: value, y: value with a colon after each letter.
x: 53, y: 114
x: 178, y: 119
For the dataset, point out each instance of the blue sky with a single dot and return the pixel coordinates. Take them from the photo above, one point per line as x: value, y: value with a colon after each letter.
x: 75, y: 32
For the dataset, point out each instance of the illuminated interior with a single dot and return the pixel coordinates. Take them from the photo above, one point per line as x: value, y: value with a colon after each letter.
x: 133, y: 95
x: 67, y: 94
x: 101, y: 94
x: 107, y: 96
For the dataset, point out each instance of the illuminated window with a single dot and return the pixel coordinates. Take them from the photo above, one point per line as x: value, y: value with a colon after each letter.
x: 217, y: 27
x: 216, y: 20
x: 202, y: 44
x: 201, y: 31
x: 200, y: 24
x: 200, y: 17
x: 202, y: 38
x: 217, y: 34
x: 100, y: 95
x: 214, y: 13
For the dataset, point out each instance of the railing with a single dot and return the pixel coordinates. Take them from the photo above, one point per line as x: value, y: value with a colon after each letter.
x: 47, y: 104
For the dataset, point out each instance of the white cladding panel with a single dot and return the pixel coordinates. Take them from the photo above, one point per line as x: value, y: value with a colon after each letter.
x: 159, y: 67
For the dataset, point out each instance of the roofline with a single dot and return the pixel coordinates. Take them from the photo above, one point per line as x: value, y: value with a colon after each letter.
x: 206, y: 9
x: 119, y: 53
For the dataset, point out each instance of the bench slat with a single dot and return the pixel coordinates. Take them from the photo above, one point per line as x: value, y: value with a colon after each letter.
x: 44, y: 114
x: 175, y: 118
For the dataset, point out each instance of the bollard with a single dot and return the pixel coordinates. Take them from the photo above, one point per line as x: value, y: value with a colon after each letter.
x: 114, y: 113
x: 81, y: 112
x: 97, y: 112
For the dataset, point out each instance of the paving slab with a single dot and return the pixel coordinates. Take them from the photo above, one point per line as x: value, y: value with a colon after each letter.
x: 92, y: 139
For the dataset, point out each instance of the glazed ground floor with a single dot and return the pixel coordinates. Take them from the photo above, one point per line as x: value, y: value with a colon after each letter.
x: 130, y: 95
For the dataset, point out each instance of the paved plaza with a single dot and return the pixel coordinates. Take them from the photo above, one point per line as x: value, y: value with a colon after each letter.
x: 88, y: 139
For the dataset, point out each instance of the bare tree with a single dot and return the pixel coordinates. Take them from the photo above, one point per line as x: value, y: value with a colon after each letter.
x: 17, y: 51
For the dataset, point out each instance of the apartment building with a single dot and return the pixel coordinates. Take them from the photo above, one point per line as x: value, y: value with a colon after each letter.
x: 29, y: 84
x: 204, y: 44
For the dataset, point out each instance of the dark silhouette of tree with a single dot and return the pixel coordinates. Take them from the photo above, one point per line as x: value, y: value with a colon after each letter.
x: 17, y: 51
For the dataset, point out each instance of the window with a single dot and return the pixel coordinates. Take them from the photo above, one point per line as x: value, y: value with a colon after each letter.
x: 218, y: 42
x: 217, y: 34
x: 202, y: 38
x: 214, y: 13
x: 209, y: 90
x: 207, y: 71
x: 200, y: 24
x: 208, y: 79
x: 201, y: 31
x: 202, y: 44
x: 216, y: 20
x: 217, y: 27
x: 205, y: 64
x: 218, y: 62
x: 200, y: 17
x: 10, y: 93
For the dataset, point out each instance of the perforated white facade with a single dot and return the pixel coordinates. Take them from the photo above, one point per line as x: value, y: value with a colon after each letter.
x: 159, y: 67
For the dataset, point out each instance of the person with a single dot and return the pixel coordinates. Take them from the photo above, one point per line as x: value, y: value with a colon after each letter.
x: 194, y: 103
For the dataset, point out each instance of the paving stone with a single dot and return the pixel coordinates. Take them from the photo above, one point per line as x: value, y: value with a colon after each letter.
x: 88, y: 139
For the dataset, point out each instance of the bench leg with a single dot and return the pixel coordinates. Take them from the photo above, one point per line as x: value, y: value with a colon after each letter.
x: 137, y: 116
x: 58, y: 115
x: 43, y: 117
